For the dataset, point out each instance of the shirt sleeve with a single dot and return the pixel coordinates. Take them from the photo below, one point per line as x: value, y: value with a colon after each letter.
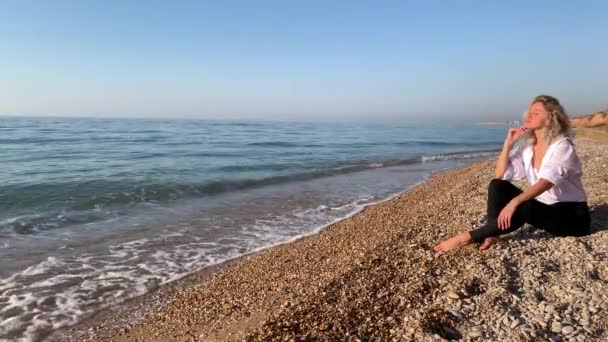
x: 515, y: 166
x: 563, y: 163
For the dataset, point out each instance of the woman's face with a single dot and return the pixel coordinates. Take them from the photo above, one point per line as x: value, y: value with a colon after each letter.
x: 537, y: 116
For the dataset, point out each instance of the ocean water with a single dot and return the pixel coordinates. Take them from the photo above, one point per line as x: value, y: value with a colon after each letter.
x: 93, y: 212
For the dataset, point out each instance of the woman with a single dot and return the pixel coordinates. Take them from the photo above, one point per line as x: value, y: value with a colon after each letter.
x: 555, y: 200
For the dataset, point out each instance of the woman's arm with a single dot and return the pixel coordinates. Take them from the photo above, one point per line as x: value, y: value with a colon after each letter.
x: 538, y: 188
x: 502, y: 162
x: 503, y: 158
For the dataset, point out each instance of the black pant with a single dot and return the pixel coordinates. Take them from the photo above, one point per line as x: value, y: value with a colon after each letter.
x: 561, y: 219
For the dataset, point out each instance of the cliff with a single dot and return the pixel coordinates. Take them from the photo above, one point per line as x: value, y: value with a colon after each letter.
x: 594, y: 120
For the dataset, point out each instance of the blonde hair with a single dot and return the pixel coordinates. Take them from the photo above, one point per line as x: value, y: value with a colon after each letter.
x: 558, y: 122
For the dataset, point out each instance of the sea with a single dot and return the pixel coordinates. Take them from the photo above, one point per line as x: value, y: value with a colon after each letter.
x: 96, y: 211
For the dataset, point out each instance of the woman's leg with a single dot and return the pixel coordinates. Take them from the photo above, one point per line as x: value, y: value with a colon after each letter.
x: 565, y: 219
x: 561, y: 219
x: 500, y: 192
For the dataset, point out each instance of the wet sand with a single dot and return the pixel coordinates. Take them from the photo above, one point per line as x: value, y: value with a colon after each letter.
x: 372, y: 277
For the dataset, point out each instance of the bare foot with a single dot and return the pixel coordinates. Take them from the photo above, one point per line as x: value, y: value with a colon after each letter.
x: 487, y: 243
x: 452, y: 243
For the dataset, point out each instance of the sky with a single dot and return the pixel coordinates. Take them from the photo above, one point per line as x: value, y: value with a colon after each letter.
x: 300, y: 60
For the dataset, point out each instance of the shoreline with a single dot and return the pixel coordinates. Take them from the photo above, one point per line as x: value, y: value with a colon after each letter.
x: 231, y: 302
x: 40, y: 331
x: 107, y: 319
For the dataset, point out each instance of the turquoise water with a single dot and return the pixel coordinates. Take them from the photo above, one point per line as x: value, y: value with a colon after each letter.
x: 93, y: 212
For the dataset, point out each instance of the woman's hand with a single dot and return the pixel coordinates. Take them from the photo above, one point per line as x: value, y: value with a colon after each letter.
x: 513, y: 134
x: 504, y: 219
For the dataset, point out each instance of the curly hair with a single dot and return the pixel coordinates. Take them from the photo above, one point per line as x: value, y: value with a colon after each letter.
x: 558, y: 122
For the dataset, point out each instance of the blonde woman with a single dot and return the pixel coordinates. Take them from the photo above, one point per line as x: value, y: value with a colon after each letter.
x: 555, y: 201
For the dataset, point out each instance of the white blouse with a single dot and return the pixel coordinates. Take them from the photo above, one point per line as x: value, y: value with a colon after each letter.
x: 560, y: 166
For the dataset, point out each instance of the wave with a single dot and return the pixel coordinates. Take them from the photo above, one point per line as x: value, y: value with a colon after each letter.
x: 441, y: 143
x: 410, y: 143
x: 285, y: 144
x: 65, y: 204
x: 257, y: 167
x: 88, y: 139
x: 106, y: 194
x: 31, y: 224
x: 100, y: 193
x: 458, y: 155
x: 30, y: 140
x: 281, y: 144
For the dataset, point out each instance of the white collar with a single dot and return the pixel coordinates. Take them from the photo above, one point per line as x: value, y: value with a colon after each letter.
x: 528, y: 152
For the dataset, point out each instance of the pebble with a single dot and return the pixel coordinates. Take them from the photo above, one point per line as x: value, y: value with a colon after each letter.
x: 453, y: 295
x: 457, y: 314
x: 540, y: 320
x: 475, y: 334
x: 567, y: 329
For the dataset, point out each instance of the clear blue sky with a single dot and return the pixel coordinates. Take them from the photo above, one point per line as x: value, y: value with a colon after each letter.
x: 300, y: 59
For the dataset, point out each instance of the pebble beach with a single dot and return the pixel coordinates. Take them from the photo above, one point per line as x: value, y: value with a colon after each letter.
x: 373, y: 277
